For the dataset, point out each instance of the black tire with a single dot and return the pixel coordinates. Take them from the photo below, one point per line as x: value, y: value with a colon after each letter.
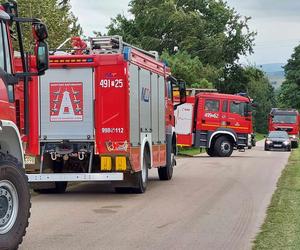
x: 166, y: 173
x: 223, y: 147
x: 60, y: 188
x: 141, y: 177
x: 123, y: 190
x: 249, y: 147
x: 13, y: 178
x: 267, y: 149
x: 210, y: 152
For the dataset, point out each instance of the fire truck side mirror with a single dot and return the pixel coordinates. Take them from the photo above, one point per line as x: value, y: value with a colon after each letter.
x: 182, y: 92
x: 40, y: 31
x: 42, y: 57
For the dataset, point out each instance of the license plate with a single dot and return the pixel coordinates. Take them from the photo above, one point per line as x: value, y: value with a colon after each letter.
x: 29, y: 160
x: 277, y: 146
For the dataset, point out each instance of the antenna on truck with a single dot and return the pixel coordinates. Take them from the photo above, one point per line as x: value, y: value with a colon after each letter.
x: 115, y: 44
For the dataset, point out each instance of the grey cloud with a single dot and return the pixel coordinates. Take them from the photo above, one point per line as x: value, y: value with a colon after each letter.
x: 95, y: 15
x: 268, y: 8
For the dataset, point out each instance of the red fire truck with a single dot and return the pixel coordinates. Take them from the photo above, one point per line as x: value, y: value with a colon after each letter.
x: 217, y: 122
x: 101, y: 113
x: 285, y: 120
x: 14, y: 189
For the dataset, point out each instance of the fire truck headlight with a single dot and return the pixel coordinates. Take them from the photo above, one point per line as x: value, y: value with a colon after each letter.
x: 294, y: 136
x: 121, y: 163
x: 105, y: 163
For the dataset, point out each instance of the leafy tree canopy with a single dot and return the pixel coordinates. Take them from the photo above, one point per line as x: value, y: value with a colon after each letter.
x: 252, y: 81
x: 289, y: 92
x: 288, y: 96
x: 56, y: 14
x: 292, y: 69
x: 191, y: 69
x: 208, y: 29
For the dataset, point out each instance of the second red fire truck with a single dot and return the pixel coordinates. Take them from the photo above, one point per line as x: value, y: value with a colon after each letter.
x: 217, y: 122
x: 286, y: 120
x: 101, y: 114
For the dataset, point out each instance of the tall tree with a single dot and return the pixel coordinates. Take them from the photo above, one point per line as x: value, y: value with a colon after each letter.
x: 289, y: 94
x: 191, y: 70
x: 252, y: 81
x: 208, y: 29
x: 56, y: 14
x: 292, y: 69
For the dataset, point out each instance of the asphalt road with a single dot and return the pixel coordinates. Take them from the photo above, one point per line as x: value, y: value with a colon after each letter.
x: 211, y: 203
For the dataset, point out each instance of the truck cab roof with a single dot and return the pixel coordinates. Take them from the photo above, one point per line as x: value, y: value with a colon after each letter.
x: 223, y: 96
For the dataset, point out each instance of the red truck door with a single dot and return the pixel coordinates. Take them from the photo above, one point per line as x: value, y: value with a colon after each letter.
x: 224, y: 113
x: 236, y: 117
x: 210, y: 116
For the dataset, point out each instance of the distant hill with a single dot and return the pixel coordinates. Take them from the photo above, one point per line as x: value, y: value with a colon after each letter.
x: 272, y: 67
x: 275, y: 73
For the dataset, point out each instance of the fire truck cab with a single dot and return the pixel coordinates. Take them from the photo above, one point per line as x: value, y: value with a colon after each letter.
x: 217, y: 122
x: 285, y: 120
x: 102, y: 113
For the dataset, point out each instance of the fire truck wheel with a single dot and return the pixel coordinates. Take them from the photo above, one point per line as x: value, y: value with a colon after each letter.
x: 166, y: 173
x: 223, y: 147
x: 142, y: 176
x: 14, y: 203
x: 210, y: 152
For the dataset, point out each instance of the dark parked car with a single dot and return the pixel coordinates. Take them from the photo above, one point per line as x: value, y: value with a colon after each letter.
x: 278, y: 140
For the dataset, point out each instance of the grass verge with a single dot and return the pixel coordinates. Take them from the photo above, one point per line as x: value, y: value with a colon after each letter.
x: 281, y: 229
x: 189, y: 151
x: 259, y: 136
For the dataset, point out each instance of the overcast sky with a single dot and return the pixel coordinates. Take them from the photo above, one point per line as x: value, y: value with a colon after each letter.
x: 276, y: 21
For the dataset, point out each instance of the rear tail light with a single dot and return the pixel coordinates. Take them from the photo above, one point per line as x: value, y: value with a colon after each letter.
x: 121, y: 163
x: 106, y: 163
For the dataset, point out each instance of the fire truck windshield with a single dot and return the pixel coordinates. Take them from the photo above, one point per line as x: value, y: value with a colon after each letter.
x: 290, y: 119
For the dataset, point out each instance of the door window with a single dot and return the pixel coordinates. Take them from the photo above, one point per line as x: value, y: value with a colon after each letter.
x: 212, y: 105
x: 2, y: 56
x: 238, y: 108
x: 170, y: 90
x: 7, y: 59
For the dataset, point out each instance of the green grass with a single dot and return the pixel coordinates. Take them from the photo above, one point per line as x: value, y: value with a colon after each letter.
x: 281, y: 229
x: 259, y: 136
x: 189, y: 151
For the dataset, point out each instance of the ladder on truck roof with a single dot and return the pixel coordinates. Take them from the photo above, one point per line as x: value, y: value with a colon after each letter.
x: 115, y: 44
